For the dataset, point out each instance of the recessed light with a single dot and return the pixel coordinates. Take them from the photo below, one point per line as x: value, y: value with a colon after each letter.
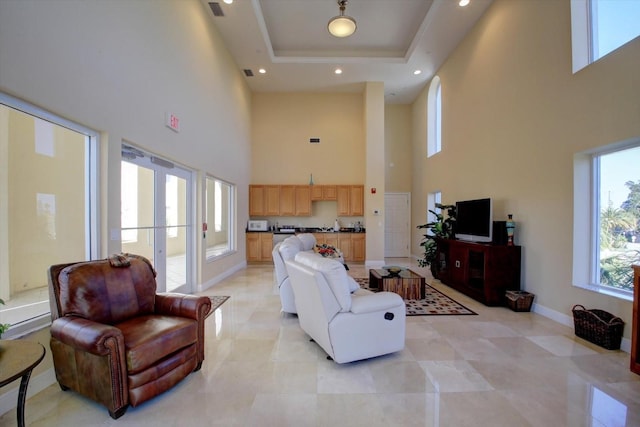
x: 416, y: 72
x: 228, y: 1
x: 338, y: 71
x: 463, y: 3
x: 262, y: 70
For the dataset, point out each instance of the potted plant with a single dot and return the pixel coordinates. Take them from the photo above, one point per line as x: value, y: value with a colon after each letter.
x: 441, y: 227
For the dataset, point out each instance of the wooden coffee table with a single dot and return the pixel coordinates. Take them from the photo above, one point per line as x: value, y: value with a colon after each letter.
x: 408, y: 284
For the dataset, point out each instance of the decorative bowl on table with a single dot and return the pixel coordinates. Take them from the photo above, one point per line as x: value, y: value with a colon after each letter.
x: 393, y: 270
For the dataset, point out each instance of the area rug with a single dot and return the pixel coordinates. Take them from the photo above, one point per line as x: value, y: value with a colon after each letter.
x: 434, y: 303
x: 216, y: 301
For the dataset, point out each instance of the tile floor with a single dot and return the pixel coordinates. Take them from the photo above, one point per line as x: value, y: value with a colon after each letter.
x: 499, y: 368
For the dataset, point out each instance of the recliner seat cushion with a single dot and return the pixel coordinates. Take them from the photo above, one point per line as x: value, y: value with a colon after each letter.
x: 148, y: 339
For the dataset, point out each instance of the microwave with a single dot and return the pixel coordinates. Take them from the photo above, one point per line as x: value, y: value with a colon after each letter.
x: 258, y: 225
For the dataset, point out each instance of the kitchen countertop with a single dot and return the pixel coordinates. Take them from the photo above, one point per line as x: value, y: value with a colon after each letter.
x: 310, y: 230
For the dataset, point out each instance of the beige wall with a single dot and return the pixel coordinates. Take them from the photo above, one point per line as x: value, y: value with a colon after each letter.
x: 513, y: 117
x: 282, y: 124
x: 397, y: 148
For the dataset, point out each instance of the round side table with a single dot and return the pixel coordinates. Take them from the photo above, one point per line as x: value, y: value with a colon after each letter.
x: 17, y: 360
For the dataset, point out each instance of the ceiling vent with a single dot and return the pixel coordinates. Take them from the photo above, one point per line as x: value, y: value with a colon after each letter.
x: 216, y: 9
x: 248, y: 72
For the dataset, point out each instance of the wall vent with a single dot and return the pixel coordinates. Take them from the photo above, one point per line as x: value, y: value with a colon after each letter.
x: 314, y: 140
x: 248, y: 72
x: 216, y: 9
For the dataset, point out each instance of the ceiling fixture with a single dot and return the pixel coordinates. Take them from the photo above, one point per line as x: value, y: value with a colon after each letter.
x: 338, y: 71
x: 342, y: 25
x: 463, y: 3
x: 416, y: 72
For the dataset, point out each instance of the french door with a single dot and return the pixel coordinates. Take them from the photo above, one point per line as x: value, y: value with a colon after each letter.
x: 156, y: 217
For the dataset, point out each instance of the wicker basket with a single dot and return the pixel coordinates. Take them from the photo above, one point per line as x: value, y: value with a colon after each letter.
x: 598, y: 327
x: 519, y: 300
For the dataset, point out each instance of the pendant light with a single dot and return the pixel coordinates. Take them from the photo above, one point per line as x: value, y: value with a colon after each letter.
x: 342, y: 25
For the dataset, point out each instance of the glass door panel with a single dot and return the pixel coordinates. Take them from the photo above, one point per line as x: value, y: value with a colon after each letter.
x: 137, y: 210
x: 177, y: 230
x: 156, y: 200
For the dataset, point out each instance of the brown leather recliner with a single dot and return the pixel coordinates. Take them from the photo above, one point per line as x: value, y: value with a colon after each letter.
x: 113, y: 339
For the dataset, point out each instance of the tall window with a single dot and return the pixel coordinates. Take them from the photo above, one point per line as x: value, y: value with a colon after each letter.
x: 611, y: 233
x: 48, y: 207
x: 434, y: 117
x: 219, y: 236
x: 599, y: 27
x: 432, y: 200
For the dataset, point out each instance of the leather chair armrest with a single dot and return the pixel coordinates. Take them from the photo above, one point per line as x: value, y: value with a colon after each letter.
x: 380, y: 301
x: 183, y: 305
x: 86, y: 335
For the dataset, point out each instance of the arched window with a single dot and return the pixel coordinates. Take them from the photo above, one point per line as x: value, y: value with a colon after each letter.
x: 434, y: 117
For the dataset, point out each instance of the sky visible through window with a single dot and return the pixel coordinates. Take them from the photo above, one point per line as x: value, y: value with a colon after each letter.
x: 617, y: 22
x: 616, y: 169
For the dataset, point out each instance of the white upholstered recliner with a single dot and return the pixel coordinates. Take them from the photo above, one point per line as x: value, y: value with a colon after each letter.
x: 349, y: 323
x: 283, y: 251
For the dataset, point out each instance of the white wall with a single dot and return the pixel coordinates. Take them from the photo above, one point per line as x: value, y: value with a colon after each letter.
x: 118, y: 67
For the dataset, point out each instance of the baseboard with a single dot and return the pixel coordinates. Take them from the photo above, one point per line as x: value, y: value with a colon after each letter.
x: 37, y: 383
x: 567, y: 320
x: 220, y: 277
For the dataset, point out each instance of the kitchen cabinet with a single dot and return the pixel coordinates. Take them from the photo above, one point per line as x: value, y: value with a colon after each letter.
x: 345, y: 246
x: 350, y: 200
x: 352, y: 245
x: 271, y: 200
x: 303, y: 200
x: 323, y: 192
x: 326, y: 238
x: 287, y: 200
x: 264, y: 200
x: 259, y: 247
x: 295, y: 200
x: 358, y: 246
x: 256, y: 200
x: 356, y: 201
x: 316, y: 192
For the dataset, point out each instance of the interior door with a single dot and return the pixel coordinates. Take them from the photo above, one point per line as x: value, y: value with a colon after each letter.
x: 156, y: 217
x: 397, y: 236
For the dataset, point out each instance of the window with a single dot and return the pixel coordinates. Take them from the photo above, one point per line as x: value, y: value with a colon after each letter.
x: 434, y: 117
x: 48, y: 207
x: 607, y: 218
x: 219, y: 203
x: 599, y: 27
x: 433, y: 199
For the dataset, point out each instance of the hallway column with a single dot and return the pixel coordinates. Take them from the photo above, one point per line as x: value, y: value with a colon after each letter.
x: 375, y: 172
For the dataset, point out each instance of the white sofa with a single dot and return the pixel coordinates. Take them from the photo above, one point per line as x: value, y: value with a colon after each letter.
x: 283, y: 251
x: 349, y: 323
x: 288, y: 249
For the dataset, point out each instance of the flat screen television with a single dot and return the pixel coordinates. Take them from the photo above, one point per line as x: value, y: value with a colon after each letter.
x: 474, y: 220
